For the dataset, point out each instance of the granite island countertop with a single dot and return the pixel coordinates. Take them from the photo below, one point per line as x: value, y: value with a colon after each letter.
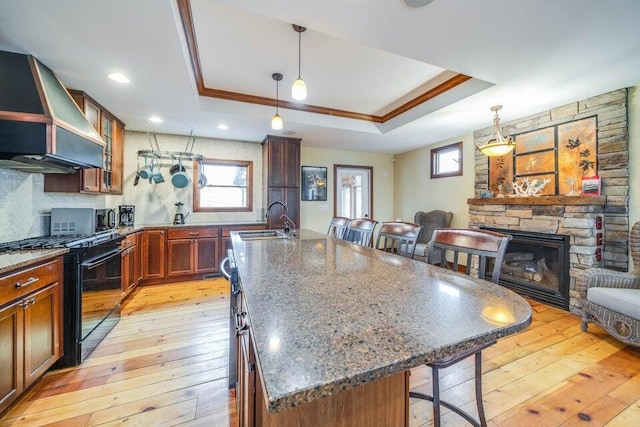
x: 327, y: 315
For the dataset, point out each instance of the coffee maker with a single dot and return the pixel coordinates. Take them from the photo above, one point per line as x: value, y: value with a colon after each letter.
x: 180, y: 216
x: 126, y: 214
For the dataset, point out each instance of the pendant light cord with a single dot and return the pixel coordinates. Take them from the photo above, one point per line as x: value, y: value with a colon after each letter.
x: 299, y: 51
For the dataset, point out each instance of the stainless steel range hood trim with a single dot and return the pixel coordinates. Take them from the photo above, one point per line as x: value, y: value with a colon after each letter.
x: 94, y: 137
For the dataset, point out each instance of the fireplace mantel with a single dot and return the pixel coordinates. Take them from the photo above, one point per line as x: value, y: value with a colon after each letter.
x: 542, y: 200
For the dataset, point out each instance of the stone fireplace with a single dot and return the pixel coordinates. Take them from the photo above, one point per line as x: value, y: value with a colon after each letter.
x: 596, y: 227
x: 537, y: 265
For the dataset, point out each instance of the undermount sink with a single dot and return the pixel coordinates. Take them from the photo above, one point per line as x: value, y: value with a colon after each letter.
x: 261, y: 235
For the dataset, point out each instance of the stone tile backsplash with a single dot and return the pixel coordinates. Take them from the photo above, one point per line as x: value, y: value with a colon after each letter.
x: 25, y: 208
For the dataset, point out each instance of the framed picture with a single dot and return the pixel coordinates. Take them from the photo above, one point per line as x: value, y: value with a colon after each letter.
x: 577, y: 153
x: 591, y: 185
x: 314, y: 183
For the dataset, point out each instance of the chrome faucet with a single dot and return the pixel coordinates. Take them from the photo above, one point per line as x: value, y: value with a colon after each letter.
x: 287, y: 220
x: 276, y: 203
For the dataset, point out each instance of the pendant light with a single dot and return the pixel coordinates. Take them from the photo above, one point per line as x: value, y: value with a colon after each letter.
x: 276, y: 122
x: 499, y: 146
x: 299, y: 88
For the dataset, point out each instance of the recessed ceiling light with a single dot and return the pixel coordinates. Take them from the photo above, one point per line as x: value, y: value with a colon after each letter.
x: 155, y: 119
x: 222, y: 126
x: 418, y: 3
x: 120, y: 78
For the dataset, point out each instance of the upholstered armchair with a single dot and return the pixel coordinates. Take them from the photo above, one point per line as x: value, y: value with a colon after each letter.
x: 611, y: 298
x: 429, y: 221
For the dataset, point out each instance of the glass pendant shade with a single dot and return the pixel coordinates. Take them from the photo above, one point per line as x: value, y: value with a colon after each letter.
x: 499, y: 146
x: 276, y: 122
x: 299, y: 90
x: 496, y: 148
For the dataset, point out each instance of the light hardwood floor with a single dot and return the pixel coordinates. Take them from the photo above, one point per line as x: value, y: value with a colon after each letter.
x: 165, y: 363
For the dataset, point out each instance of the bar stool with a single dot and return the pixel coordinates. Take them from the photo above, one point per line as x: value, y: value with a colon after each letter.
x: 399, y: 238
x: 486, y: 246
x: 338, y: 227
x: 360, y: 231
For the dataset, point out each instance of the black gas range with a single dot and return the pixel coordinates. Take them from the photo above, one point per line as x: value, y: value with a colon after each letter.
x: 92, y: 288
x: 64, y: 241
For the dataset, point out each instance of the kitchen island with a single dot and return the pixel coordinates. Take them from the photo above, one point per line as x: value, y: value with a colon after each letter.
x: 327, y: 318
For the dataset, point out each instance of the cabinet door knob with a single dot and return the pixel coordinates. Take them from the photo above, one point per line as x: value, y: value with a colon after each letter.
x: 29, y: 281
x: 26, y: 303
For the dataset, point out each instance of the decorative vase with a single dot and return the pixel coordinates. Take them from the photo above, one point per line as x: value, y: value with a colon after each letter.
x: 573, y: 191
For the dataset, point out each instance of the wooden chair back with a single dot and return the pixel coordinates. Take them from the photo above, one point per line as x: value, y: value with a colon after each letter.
x: 338, y: 227
x: 484, y: 244
x: 399, y: 238
x: 360, y: 231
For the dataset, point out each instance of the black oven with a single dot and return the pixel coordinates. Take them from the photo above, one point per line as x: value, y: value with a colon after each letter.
x: 92, y: 295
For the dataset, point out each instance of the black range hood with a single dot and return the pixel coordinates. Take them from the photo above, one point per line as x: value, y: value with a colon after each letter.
x: 41, y: 128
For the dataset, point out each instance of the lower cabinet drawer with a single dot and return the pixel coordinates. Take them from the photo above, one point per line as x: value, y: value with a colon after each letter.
x: 22, y: 282
x: 192, y: 232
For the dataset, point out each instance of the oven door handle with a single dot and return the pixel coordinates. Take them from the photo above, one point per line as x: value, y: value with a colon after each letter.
x: 94, y: 262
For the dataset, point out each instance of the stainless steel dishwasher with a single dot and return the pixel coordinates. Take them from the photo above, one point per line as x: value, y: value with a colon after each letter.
x: 234, y: 282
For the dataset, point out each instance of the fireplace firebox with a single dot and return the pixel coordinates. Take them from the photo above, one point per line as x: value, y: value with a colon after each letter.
x: 536, y: 266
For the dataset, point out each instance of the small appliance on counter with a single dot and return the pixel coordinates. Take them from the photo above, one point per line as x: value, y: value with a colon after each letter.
x: 126, y: 215
x: 81, y: 221
x: 180, y: 216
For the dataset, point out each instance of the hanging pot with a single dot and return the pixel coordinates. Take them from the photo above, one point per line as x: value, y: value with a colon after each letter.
x: 180, y: 179
x: 177, y: 168
x: 202, y: 178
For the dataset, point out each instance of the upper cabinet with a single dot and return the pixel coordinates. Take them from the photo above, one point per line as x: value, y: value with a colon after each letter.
x: 107, y: 180
x: 282, y: 161
x: 281, y: 168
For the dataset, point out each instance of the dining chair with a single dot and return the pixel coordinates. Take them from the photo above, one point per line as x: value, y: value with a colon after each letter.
x: 338, y: 227
x: 360, y: 231
x: 488, y: 248
x: 399, y: 238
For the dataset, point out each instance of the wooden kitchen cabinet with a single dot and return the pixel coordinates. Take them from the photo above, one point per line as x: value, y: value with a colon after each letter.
x: 281, y: 166
x: 192, y: 250
x: 154, y: 254
x: 30, y: 327
x: 108, y: 179
x: 131, y: 263
x: 282, y: 160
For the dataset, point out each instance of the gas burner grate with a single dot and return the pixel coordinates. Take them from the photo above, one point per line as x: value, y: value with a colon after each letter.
x: 42, y: 242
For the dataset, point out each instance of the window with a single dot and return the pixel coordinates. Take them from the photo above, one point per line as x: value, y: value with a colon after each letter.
x: 227, y: 186
x: 446, y: 161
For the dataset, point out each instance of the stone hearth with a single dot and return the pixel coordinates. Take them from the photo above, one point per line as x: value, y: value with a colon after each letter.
x: 580, y: 218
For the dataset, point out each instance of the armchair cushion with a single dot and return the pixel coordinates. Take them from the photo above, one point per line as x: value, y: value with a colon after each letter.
x: 422, y: 250
x: 624, y: 301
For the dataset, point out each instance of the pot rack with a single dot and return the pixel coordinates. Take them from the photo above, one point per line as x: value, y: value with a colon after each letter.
x: 170, y: 155
x: 156, y: 154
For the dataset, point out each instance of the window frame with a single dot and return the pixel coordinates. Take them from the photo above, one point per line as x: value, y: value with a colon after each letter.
x: 223, y: 162
x: 435, y: 160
